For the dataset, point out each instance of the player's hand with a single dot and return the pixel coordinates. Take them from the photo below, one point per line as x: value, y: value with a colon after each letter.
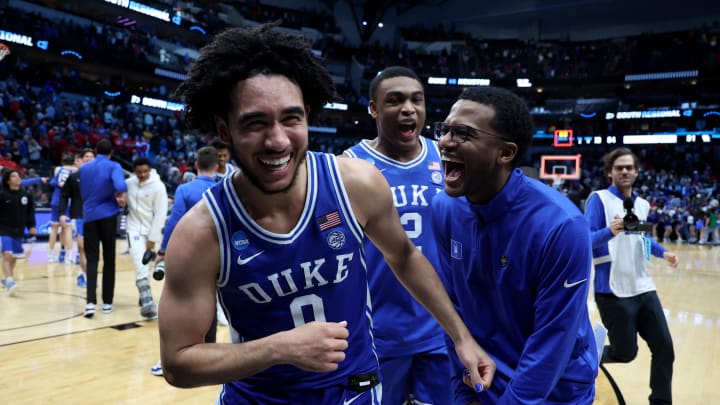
x: 672, y: 259
x: 317, y: 346
x: 32, y: 231
x: 479, y: 367
x: 120, y: 198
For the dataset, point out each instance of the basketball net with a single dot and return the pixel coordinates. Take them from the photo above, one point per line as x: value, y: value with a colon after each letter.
x: 557, y: 181
x: 4, y: 51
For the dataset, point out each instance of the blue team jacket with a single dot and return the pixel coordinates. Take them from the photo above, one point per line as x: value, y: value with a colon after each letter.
x: 518, y: 273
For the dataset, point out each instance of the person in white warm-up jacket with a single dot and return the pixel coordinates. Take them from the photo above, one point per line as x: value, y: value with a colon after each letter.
x: 147, y: 203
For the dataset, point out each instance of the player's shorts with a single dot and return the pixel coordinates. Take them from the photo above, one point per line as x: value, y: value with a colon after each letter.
x: 419, y: 375
x: 329, y: 395
x: 55, y: 213
x: 78, y: 227
x: 13, y: 245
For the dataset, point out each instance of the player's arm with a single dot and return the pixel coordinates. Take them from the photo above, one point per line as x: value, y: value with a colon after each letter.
x: 187, y: 307
x: 118, y: 180
x: 372, y: 203
x: 31, y: 181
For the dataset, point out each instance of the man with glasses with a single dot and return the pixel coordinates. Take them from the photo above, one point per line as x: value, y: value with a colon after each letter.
x: 624, y: 291
x: 516, y: 256
x: 409, y: 342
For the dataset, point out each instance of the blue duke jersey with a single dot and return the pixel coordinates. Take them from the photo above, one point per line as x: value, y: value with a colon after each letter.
x: 60, y: 177
x: 271, y: 282
x: 403, y: 326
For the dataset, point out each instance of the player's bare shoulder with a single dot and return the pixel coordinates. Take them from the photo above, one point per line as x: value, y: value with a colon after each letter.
x: 359, y: 175
x: 196, y: 227
x: 366, y: 186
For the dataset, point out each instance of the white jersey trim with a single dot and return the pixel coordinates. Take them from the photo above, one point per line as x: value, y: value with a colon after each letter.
x: 262, y: 233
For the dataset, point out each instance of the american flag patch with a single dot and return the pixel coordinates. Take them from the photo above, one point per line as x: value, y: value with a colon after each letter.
x: 330, y: 220
x: 434, y: 166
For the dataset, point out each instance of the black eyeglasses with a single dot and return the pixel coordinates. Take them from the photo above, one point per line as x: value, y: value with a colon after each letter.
x: 461, y: 133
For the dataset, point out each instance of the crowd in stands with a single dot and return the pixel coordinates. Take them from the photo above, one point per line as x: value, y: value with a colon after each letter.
x: 296, y: 18
x: 138, y: 48
x: 39, y: 122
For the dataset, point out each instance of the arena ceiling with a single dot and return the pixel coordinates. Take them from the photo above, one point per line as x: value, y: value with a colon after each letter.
x: 552, y: 16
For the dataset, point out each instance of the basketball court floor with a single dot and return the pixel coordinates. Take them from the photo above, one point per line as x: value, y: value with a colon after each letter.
x: 50, y: 353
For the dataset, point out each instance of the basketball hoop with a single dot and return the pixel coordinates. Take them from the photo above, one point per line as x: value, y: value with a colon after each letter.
x: 4, y: 51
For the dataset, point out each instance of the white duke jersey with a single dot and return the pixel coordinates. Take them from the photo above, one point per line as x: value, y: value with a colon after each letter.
x: 270, y: 282
x: 402, y: 326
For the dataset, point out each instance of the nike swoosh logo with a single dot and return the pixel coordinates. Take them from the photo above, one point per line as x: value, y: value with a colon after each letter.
x: 568, y: 285
x: 351, y: 400
x: 242, y: 262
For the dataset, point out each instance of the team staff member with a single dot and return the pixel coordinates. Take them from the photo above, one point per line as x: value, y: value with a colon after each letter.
x: 102, y: 189
x: 516, y: 255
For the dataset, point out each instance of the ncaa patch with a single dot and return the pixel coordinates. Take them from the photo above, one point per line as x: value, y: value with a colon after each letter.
x: 240, y: 240
x: 336, y: 240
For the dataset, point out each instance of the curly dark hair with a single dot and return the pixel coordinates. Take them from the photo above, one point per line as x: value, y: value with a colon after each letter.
x: 512, y: 118
x: 237, y: 54
x: 6, y: 173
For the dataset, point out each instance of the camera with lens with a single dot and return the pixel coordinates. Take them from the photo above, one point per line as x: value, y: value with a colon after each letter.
x: 148, y: 256
x: 159, y: 272
x: 631, y: 221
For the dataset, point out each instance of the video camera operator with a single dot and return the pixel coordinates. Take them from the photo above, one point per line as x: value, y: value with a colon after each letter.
x: 625, y: 293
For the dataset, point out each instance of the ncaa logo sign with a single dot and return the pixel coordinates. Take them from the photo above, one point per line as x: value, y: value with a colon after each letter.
x: 240, y: 240
x: 336, y: 240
